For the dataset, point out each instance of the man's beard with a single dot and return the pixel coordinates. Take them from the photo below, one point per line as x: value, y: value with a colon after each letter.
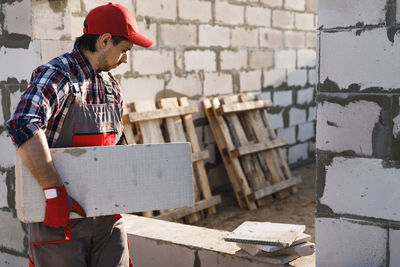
x: 104, y: 66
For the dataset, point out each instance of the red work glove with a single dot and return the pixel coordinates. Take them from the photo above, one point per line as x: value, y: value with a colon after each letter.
x: 58, y: 208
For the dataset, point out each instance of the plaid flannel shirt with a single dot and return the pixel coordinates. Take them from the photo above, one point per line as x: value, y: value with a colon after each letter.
x: 45, y: 103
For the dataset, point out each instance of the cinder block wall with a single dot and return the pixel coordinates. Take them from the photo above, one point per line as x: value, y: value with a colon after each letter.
x: 202, y: 48
x: 358, y: 216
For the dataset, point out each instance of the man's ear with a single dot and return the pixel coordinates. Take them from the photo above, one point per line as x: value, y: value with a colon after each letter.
x: 104, y: 40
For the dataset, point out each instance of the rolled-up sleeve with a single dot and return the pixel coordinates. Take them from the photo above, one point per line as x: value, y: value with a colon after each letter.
x: 39, y: 104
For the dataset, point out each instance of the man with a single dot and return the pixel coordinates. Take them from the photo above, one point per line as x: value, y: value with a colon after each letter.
x: 74, y: 101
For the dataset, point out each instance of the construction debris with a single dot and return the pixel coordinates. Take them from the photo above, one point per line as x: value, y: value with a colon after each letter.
x: 276, y: 242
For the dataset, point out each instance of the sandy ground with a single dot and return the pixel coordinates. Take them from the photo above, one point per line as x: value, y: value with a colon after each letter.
x: 295, y: 209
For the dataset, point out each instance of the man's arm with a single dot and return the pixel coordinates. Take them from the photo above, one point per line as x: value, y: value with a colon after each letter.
x: 35, y: 154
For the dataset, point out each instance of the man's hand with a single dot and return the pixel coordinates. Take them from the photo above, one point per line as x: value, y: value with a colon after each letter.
x: 59, y: 207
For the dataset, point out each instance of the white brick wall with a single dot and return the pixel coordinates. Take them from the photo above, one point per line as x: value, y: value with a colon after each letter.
x: 311, y: 40
x: 285, y: 59
x: 312, y: 76
x: 261, y: 59
x: 195, y: 10
x: 296, y: 77
x: 298, y: 152
x: 172, y: 34
x: 312, y: 114
x: 394, y: 244
x: 337, y: 124
x: 8, y: 260
x: 345, y: 243
x: 271, y: 38
x: 17, y: 17
x: 136, y: 89
x: 305, y: 96
x: 20, y: 62
x: 306, y: 131
x: 297, y: 5
x: 346, y: 50
x: 7, y: 154
x: 250, y: 81
x: 283, y: 98
x: 200, y: 60
x: 150, y: 31
x: 217, y: 83
x: 3, y: 190
x: 233, y: 59
x: 229, y: 13
x: 295, y: 39
x: 282, y: 19
x: 52, y: 48
x: 11, y: 232
x: 289, y: 134
x: 276, y: 120
x: 304, y: 21
x: 76, y: 26
x: 214, y: 36
x: 341, y: 13
x: 306, y: 58
x: 272, y: 3
x: 360, y: 190
x: 266, y: 95
x: 258, y: 16
x: 153, y: 62
x: 244, y: 37
x: 274, y: 77
x: 311, y: 6
x: 189, y: 85
x: 297, y: 116
x: 165, y: 9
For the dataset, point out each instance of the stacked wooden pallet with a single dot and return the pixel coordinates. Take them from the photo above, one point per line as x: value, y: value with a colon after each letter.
x: 276, y: 242
x: 172, y: 122
x: 250, y: 149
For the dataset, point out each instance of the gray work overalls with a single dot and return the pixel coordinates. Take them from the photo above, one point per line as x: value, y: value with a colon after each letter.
x: 94, y: 242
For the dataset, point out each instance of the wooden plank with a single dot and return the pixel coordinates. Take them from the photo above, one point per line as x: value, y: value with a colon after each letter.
x: 198, y: 206
x: 223, y: 128
x: 249, y: 163
x: 176, y: 133
x: 201, y: 155
x: 254, y: 148
x: 275, y: 188
x: 128, y: 131
x: 161, y: 113
x: 266, y: 233
x: 244, y: 106
x: 113, y: 179
x: 258, y: 249
x: 199, y: 164
x: 222, y: 147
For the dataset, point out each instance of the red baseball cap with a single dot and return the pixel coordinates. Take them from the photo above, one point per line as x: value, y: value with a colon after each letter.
x: 117, y: 20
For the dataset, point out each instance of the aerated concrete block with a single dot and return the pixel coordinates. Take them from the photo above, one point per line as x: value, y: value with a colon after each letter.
x: 298, y: 152
x: 3, y: 190
x: 394, y: 244
x: 297, y: 116
x: 113, y: 179
x: 258, y: 16
x: 130, y: 88
x: 159, y: 9
x: 217, y: 83
x: 200, y: 60
x: 250, y: 81
x: 9, y: 260
x: 347, y: 243
x: 244, y: 37
x: 274, y: 77
x: 195, y: 10
x: 283, y: 98
x: 366, y: 190
x: 229, y: 13
x: 7, y: 151
x: 305, y: 96
x: 276, y: 120
x: 233, y: 59
x: 214, y: 36
x: 296, y: 77
x: 172, y: 35
x: 289, y: 134
x: 17, y: 17
x: 153, y: 62
x: 306, y: 131
x: 12, y: 234
x: 189, y: 85
x: 348, y: 50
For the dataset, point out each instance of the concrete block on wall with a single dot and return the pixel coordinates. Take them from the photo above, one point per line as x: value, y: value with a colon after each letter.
x: 304, y: 21
x: 285, y: 59
x: 229, y: 13
x: 9, y: 260
x: 270, y: 38
x: 90, y: 4
x: 274, y: 77
x: 306, y: 58
x: 195, y: 10
x: 312, y: 114
x: 298, y: 152
x: 359, y: 190
x: 175, y: 34
x: 336, y: 241
x: 282, y: 19
x: 214, y: 36
x: 296, y: 77
x: 153, y: 62
x: 276, y: 120
x: 3, y: 190
x: 200, y: 60
x: 350, y: 127
x: 311, y: 40
x: 189, y: 85
x: 244, y: 37
x: 2, y: 120
x: 306, y: 131
x: 233, y: 59
x: 312, y: 6
x: 149, y: 30
x: 305, y: 96
x: 17, y: 16
x: 297, y: 116
x: 143, y: 88
x: 12, y: 234
x: 347, y: 50
x: 283, y: 98
x: 312, y: 76
x: 394, y: 244
x: 289, y: 134
x: 7, y: 154
x: 297, y: 5
x: 53, y: 48
x: 158, y: 9
x: 261, y: 59
x: 250, y: 81
x: 76, y: 26
x: 258, y: 16
x: 217, y: 83
x: 294, y: 39
x: 272, y: 3
x: 20, y: 62
x: 341, y: 13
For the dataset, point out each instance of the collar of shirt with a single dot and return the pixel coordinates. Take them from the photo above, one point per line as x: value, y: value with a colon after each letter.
x: 84, y: 64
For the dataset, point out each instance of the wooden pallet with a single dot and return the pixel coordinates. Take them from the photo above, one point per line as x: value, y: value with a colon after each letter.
x: 172, y: 122
x: 250, y: 149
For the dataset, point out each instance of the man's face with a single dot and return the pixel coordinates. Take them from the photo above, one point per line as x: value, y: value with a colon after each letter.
x: 113, y: 55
